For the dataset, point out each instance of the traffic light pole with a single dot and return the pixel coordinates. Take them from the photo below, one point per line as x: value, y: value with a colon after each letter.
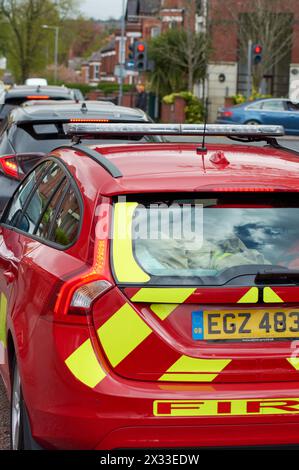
x: 249, y: 67
x: 122, y: 55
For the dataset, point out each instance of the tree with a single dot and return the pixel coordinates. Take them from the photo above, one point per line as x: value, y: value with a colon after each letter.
x: 26, y: 39
x: 265, y: 22
x: 81, y: 36
x: 180, y: 59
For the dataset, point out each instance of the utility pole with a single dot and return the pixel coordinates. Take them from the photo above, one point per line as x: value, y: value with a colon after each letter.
x: 249, y: 68
x: 56, y: 29
x: 122, y: 55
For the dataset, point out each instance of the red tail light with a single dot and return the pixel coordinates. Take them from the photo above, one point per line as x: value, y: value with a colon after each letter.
x: 68, y: 297
x: 244, y: 190
x: 77, y: 295
x: 227, y: 113
x: 9, y: 166
x: 88, y: 120
x: 38, y: 97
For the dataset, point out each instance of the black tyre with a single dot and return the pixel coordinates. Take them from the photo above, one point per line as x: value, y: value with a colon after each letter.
x: 20, y: 431
x: 252, y: 122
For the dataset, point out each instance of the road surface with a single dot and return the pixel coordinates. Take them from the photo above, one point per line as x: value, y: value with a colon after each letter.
x: 4, y: 419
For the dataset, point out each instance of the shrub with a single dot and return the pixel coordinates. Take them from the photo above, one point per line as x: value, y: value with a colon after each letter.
x: 239, y: 99
x: 194, y: 108
x: 83, y: 87
x: 108, y: 87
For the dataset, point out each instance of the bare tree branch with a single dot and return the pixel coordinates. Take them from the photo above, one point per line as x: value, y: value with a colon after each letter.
x: 267, y: 22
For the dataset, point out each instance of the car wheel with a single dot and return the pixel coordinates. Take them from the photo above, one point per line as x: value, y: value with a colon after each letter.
x: 20, y: 432
x: 16, y: 418
x: 252, y: 122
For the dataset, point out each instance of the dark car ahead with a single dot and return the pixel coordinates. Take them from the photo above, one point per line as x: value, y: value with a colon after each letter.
x: 20, y: 94
x: 30, y: 132
x: 276, y: 111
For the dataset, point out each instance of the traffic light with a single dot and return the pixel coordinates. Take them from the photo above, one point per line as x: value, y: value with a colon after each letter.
x: 131, y: 52
x: 257, y: 50
x: 140, y: 56
x: 130, y: 63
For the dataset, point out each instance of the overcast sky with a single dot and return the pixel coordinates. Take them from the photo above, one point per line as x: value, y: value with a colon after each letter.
x: 101, y: 9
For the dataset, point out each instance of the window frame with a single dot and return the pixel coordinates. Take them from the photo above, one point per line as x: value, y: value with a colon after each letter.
x: 70, y: 184
x: 276, y: 100
x: 147, y: 198
x: 251, y: 106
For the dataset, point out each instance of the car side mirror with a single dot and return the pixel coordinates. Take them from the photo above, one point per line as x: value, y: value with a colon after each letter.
x: 21, y: 220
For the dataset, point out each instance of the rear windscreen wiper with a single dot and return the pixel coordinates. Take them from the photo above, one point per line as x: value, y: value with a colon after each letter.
x: 277, y: 277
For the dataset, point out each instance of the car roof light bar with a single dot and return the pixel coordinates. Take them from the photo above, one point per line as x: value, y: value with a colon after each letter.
x: 255, y: 131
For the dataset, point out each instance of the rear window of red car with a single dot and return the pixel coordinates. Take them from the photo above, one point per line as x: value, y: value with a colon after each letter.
x: 207, y: 240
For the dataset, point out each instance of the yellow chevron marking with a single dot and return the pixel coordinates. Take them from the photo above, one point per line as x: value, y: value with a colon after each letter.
x: 188, y: 369
x: 294, y: 361
x: 270, y: 296
x: 163, y: 310
x: 125, y: 265
x: 188, y: 377
x: 251, y: 296
x: 168, y: 295
x: 84, y: 365
x: 122, y: 333
x: 3, y: 315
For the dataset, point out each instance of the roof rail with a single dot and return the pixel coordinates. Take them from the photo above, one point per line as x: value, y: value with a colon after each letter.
x: 257, y: 132
x: 97, y: 157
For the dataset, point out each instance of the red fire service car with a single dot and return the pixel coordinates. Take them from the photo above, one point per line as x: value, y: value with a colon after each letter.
x: 149, y: 292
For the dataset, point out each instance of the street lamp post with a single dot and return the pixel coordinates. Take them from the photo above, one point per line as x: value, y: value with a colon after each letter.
x: 122, y: 53
x: 56, y: 29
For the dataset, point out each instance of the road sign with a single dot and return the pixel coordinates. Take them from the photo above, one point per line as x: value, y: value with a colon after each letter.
x: 130, y: 65
x: 120, y: 71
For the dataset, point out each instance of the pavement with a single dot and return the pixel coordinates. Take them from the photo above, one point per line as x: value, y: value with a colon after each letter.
x: 4, y: 419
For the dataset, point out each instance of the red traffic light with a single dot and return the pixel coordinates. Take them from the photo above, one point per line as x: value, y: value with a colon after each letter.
x: 257, y: 49
x: 140, y: 47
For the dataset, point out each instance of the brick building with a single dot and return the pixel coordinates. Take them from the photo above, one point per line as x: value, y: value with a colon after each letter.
x: 226, y: 58
x: 227, y: 70
x: 144, y: 19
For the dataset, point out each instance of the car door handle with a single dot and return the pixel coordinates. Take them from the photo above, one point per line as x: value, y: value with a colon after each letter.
x: 9, y: 276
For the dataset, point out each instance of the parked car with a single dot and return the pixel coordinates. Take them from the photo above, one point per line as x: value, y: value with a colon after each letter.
x: 64, y: 103
x: 36, y: 82
x: 126, y: 321
x: 30, y: 132
x: 19, y: 94
x: 277, y: 111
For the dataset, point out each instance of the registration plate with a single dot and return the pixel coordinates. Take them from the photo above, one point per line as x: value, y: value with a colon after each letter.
x: 245, y: 325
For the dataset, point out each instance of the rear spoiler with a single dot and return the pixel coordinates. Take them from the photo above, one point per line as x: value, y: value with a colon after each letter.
x: 62, y: 126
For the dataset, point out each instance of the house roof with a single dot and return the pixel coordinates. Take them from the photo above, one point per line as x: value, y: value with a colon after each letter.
x: 95, y: 57
x: 109, y: 47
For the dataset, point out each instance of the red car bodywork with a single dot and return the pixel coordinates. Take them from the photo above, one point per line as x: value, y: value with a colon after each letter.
x: 248, y: 394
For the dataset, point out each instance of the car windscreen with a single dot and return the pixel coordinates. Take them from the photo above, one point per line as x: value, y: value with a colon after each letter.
x: 210, y: 240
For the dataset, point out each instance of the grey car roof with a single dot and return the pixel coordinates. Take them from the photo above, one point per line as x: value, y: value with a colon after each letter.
x: 69, y: 111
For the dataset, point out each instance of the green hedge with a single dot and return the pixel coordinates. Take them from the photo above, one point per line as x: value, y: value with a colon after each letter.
x: 105, y: 87
x: 108, y: 87
x: 83, y: 87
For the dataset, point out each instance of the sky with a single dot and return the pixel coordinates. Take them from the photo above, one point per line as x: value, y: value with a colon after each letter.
x: 101, y: 9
